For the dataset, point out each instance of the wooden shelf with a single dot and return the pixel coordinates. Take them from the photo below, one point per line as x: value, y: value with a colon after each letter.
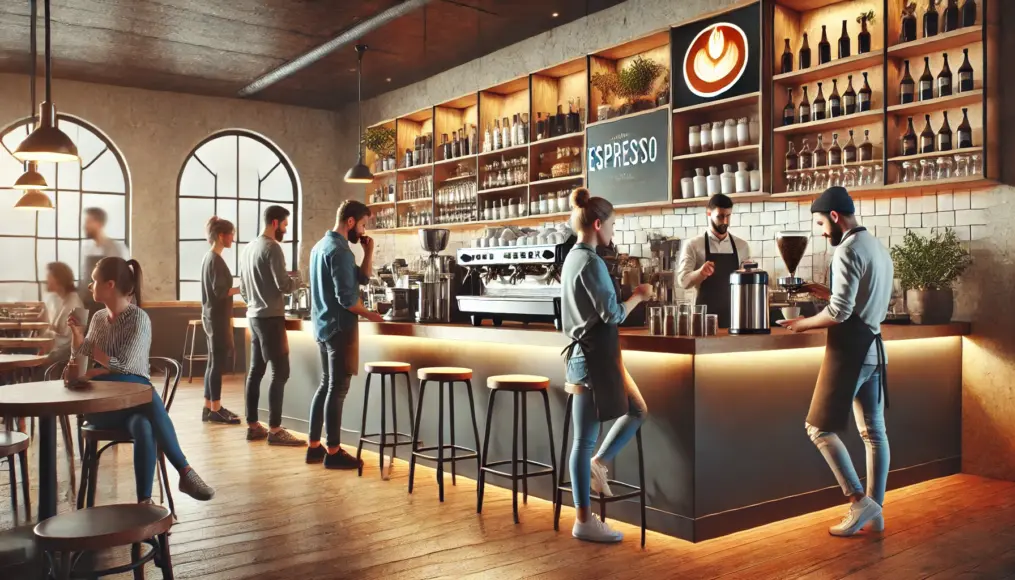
x: 615, y: 119
x: 951, y: 102
x: 827, y: 167
x: 900, y: 189
x: 938, y: 184
x: 459, y: 178
x: 459, y: 159
x: 415, y: 201
x: 825, y: 125
x: 557, y: 139
x: 506, y: 188
x: 721, y: 104
x: 502, y: 150
x: 380, y: 203
x: 747, y: 196
x: 919, y: 156
x: 835, y: 68
x: 557, y: 179
x: 939, y: 43
x: 385, y: 173
x: 416, y: 168
x: 719, y: 152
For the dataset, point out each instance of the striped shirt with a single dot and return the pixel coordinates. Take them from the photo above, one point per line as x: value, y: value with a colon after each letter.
x: 127, y: 340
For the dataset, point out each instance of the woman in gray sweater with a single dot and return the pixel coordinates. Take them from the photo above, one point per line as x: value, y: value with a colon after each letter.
x: 217, y: 293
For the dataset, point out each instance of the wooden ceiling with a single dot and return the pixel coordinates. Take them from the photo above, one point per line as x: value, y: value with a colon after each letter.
x: 218, y: 47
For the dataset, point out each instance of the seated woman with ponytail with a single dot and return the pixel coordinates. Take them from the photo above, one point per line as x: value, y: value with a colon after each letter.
x: 118, y: 342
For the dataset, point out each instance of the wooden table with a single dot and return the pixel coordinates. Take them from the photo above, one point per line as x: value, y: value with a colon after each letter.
x: 42, y: 344
x: 24, y: 326
x: 49, y: 399
x: 11, y: 362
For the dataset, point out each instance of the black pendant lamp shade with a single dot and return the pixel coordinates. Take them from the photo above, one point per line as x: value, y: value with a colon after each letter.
x: 47, y: 142
x: 35, y: 200
x: 359, y: 173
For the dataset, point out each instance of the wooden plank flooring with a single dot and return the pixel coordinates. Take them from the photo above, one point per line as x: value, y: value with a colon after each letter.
x: 275, y: 517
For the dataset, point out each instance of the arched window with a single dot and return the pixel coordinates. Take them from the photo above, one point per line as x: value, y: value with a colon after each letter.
x: 31, y: 239
x: 234, y: 174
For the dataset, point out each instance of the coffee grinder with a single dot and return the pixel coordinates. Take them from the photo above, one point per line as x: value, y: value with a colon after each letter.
x: 792, y: 247
x: 435, y: 292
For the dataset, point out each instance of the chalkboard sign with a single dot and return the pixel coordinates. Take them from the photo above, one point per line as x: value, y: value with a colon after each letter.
x: 628, y: 160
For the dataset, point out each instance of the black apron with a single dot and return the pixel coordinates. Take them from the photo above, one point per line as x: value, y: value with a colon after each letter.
x: 605, y: 380
x: 714, y: 291
x: 845, y: 351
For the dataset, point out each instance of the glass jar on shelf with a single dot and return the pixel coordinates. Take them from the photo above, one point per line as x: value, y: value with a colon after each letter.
x: 961, y: 165
x: 806, y: 181
x: 975, y: 165
x: 792, y: 180
x: 879, y: 176
x: 944, y: 167
x: 908, y: 172
x: 926, y: 170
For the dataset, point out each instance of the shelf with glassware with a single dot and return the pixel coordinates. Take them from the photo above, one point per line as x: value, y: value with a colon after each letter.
x: 456, y: 128
x: 559, y: 99
x: 414, y: 139
x: 629, y: 78
x: 504, y: 116
x: 380, y: 148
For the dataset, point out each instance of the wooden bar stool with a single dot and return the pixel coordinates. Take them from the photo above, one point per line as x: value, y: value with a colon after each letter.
x: 385, y: 369
x: 14, y: 444
x: 190, y: 338
x: 66, y: 537
x: 564, y: 486
x: 446, y: 377
x: 519, y: 385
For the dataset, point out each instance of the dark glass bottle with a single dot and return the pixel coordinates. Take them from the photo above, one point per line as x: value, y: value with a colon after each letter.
x: 445, y: 146
x: 805, y: 54
x: 925, y: 90
x: 965, y: 73
x: 788, y: 111
x: 849, y: 151
x: 944, y: 79
x: 818, y: 110
x: 835, y: 101
x: 863, y: 40
x: 927, y: 137
x: 908, y: 33
x: 950, y: 18
x: 907, y: 88
x: 540, y: 127
x: 824, y: 47
x: 965, y: 132
x: 908, y: 144
x: 805, y: 158
x: 787, y: 59
x: 805, y: 108
x: 561, y: 121
x: 866, y: 148
x: 463, y: 141
x: 844, y: 42
x: 849, y: 98
x: 791, y: 158
x: 866, y: 95
x: 820, y: 154
x: 944, y: 135
x: 969, y: 13
x: 835, y: 151
x: 575, y: 119
x: 456, y: 146
x: 930, y: 19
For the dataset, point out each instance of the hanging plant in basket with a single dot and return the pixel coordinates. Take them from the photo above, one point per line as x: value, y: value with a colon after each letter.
x: 927, y: 268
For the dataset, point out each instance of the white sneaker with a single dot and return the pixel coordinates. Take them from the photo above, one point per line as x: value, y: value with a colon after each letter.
x: 860, y: 513
x: 599, y: 484
x: 595, y: 530
x: 878, y: 524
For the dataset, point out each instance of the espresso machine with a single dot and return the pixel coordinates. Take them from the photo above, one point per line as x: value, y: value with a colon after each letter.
x: 297, y: 302
x: 519, y: 283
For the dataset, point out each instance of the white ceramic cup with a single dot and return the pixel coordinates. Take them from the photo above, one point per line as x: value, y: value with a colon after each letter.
x: 790, y: 312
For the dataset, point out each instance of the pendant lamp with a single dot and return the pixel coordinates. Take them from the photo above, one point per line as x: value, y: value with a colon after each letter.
x: 358, y: 173
x: 47, y: 142
x: 32, y: 179
x: 34, y: 199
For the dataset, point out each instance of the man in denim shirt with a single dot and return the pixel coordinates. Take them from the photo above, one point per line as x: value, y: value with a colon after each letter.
x: 335, y: 307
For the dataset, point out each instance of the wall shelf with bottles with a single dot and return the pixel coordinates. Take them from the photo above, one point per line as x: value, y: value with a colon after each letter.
x: 414, y: 138
x: 558, y: 139
x: 735, y: 151
x: 559, y: 99
x: 640, y: 53
x: 835, y: 68
x: 505, y: 104
x: 456, y: 129
x: 832, y: 124
x: 970, y: 98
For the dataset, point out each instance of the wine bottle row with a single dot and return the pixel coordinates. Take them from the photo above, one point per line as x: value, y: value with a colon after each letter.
x: 934, y: 22
x: 943, y: 140
x: 834, y: 155
x: 421, y: 152
x: 848, y: 103
x: 929, y: 87
x: 562, y: 123
x: 463, y: 142
x: 509, y: 134
x: 825, y: 47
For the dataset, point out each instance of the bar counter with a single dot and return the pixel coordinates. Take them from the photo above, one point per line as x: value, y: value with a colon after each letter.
x: 725, y: 445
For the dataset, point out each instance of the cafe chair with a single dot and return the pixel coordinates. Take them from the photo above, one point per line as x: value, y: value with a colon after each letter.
x: 385, y: 439
x: 519, y: 386
x: 564, y: 486
x: 14, y: 444
x: 65, y: 538
x: 93, y: 436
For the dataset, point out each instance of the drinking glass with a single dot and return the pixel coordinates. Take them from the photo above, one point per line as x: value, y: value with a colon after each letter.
x: 820, y: 180
x: 926, y: 170
x: 908, y: 173
x: 944, y: 167
x: 975, y: 168
x: 806, y: 181
x: 711, y: 324
x: 655, y: 320
x: 835, y: 177
x: 850, y: 177
x: 961, y: 166
x: 879, y: 176
x: 865, y: 175
x: 698, y: 320
x: 684, y: 312
x: 791, y: 182
x: 670, y: 321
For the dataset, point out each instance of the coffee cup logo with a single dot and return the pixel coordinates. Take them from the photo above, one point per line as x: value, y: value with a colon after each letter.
x: 715, y: 59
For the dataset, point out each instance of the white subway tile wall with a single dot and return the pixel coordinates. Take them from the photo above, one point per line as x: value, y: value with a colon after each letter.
x: 887, y: 218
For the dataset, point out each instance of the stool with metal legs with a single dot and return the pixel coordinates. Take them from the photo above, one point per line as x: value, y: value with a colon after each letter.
x: 386, y: 370
x: 189, y: 339
x: 446, y: 377
x: 519, y: 386
x: 564, y: 486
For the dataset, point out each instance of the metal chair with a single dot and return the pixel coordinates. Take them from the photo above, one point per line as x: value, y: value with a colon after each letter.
x: 93, y: 436
x: 15, y: 445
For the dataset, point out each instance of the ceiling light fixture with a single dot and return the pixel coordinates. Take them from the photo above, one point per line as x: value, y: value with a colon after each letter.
x: 555, y: 14
x: 47, y: 142
x: 34, y: 199
x: 358, y: 173
x: 388, y: 79
x: 31, y: 178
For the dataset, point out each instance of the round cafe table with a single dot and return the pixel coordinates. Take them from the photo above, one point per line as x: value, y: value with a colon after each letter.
x: 42, y: 344
x: 24, y: 326
x: 47, y: 400
x: 13, y: 362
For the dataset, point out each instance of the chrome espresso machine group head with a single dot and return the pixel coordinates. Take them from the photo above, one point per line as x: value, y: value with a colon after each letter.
x: 519, y: 283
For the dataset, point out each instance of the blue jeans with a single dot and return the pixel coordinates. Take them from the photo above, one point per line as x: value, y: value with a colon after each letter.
x: 869, y: 411
x: 151, y: 428
x: 586, y: 431
x: 326, y: 406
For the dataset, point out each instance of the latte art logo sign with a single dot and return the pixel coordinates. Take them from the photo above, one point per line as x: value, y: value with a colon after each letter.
x: 715, y: 59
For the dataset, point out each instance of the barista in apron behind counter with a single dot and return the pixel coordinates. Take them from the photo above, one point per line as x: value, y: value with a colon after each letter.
x: 591, y: 313
x: 706, y: 261
x: 852, y: 375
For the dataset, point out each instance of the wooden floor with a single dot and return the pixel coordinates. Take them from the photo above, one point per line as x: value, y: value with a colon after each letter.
x: 275, y: 517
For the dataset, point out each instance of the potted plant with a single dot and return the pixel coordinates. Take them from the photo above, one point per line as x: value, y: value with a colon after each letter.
x: 381, y: 140
x: 635, y: 83
x: 607, y: 85
x: 926, y: 269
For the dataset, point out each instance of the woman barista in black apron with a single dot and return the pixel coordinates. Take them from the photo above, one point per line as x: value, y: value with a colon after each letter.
x: 852, y: 376
x: 590, y: 315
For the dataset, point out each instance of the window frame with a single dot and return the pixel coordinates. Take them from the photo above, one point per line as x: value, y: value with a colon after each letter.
x: 283, y: 161
x: 55, y: 189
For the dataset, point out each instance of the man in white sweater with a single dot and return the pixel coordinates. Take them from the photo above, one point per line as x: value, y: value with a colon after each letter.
x: 854, y: 365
